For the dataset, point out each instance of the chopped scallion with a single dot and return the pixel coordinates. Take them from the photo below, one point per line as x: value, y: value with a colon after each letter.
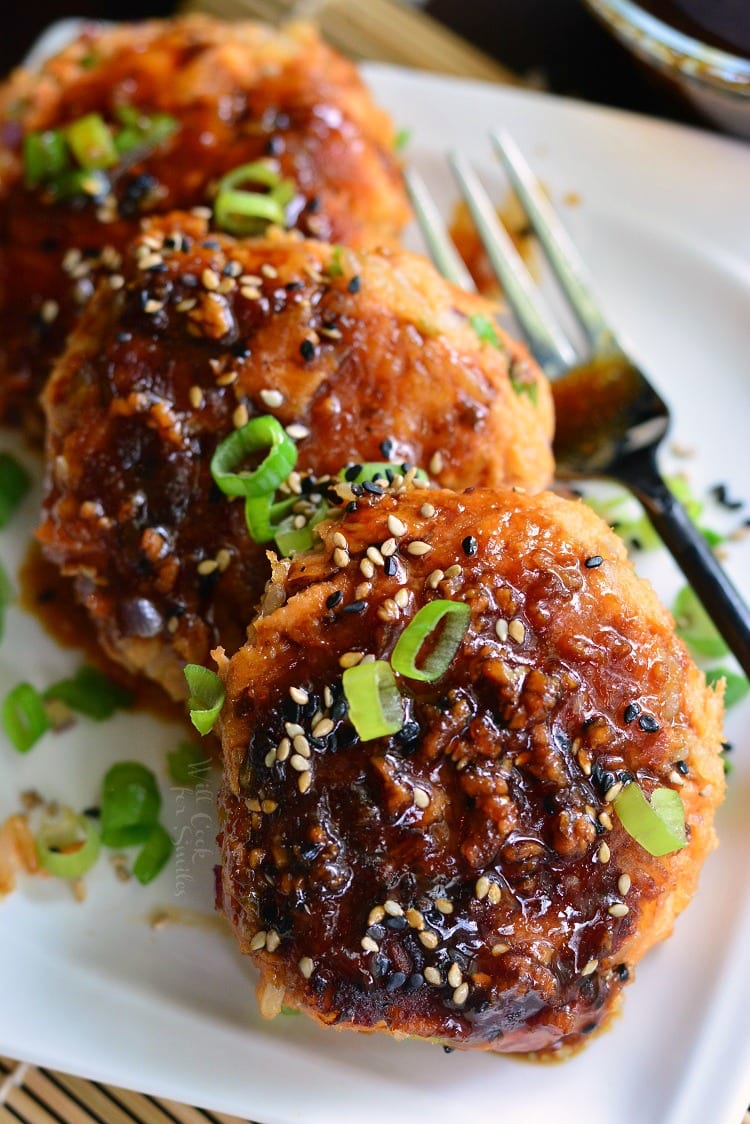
x: 92, y: 143
x: 142, y: 130
x: 263, y: 517
x: 737, y: 686
x: 264, y: 432
x: 24, y: 717
x: 153, y: 856
x: 454, y: 618
x: 68, y: 845
x: 485, y: 329
x: 240, y: 211
x: 45, y: 156
x: 207, y: 696
x: 696, y: 627
x: 375, y: 707
x: 401, y: 139
x: 130, y: 804
x: 659, y: 824
x: 530, y: 389
x: 14, y: 484
x: 293, y: 540
x: 187, y: 763
x: 90, y: 692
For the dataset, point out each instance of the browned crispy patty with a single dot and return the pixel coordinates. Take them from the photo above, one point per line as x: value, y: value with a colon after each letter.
x: 239, y: 92
x: 366, y: 356
x: 466, y: 878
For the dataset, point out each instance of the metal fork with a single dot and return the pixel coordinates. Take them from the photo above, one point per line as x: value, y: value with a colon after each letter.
x: 610, y: 419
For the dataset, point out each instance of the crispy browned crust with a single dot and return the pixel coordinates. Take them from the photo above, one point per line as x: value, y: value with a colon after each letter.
x: 157, y: 371
x: 512, y: 753
x: 240, y: 92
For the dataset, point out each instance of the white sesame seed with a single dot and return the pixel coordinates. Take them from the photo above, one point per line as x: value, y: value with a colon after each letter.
x: 676, y: 778
x: 301, y: 745
x: 435, y: 579
x: 618, y: 909
x: 49, y: 311
x: 272, y: 398
x: 299, y: 695
x: 340, y: 557
x: 501, y: 628
x: 328, y: 696
x: 375, y: 556
x: 376, y: 914
x: 116, y: 282
x: 433, y: 976
x: 369, y: 945
x: 240, y: 417
x: 455, y: 976
x: 603, y: 853
x: 388, y: 548
x: 454, y: 571
x: 418, y: 548
x: 293, y: 728
x: 605, y: 820
x: 613, y: 792
x: 283, y: 749
x: 494, y: 894
x: 401, y: 597
x: 270, y: 758
x: 273, y: 940
x: 461, y: 994
x: 299, y: 763
x: 340, y: 540
x: 304, y: 780
x: 362, y: 591
x: 499, y: 948
x: 366, y: 568
x: 421, y: 798
x: 444, y: 905
x: 415, y: 918
x: 258, y: 941
x: 297, y: 432
x: 427, y: 510
x: 590, y: 967
x: 250, y: 292
x: 350, y: 659
x: 436, y: 463
x: 207, y: 566
x: 623, y: 884
x: 227, y: 378
x: 153, y: 306
x: 428, y: 938
x: 481, y: 887
x: 323, y: 728
x: 210, y: 280
x: 269, y: 806
x: 395, y: 526
x: 393, y: 909
x: 306, y: 967
x: 516, y: 630
x: 268, y: 270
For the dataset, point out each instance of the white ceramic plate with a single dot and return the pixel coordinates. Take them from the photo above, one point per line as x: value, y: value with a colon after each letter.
x: 92, y: 989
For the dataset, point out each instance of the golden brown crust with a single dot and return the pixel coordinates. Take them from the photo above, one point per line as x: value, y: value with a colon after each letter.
x: 550, y: 903
x: 240, y: 92
x: 160, y: 371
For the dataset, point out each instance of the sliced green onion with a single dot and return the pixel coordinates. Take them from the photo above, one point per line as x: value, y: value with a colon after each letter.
x: 91, y: 142
x: 130, y: 804
x: 6, y: 596
x: 375, y: 707
x: 485, y: 329
x: 658, y: 825
x: 68, y: 845
x: 293, y: 540
x: 24, y: 717
x: 14, y: 484
x: 530, y: 389
x: 454, y: 615
x: 264, y: 432
x: 154, y: 855
x: 737, y: 686
x: 401, y: 139
x: 376, y: 471
x: 335, y: 268
x: 696, y: 627
x: 239, y: 211
x: 90, y: 692
x: 187, y: 764
x: 142, y: 130
x: 207, y: 696
x: 263, y: 517
x: 45, y: 156
x: 94, y: 184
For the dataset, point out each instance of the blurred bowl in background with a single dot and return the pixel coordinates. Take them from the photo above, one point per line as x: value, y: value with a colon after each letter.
x: 714, y: 80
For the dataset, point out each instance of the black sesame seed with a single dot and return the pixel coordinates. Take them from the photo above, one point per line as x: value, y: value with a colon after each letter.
x: 351, y: 507
x: 682, y: 767
x: 211, y: 244
x: 124, y: 337
x: 390, y: 566
x: 648, y: 723
x: 294, y: 286
x: 357, y: 490
x: 623, y: 972
x: 313, y: 205
x: 409, y: 732
x: 415, y: 981
x: 377, y: 932
x: 352, y: 472
x: 593, y: 562
x: 602, y: 779
x: 334, y: 599
x: 470, y: 545
x: 143, y: 298
x: 355, y: 284
x: 355, y: 607
x: 397, y: 923
x: 386, y: 448
x: 189, y: 281
x: 720, y: 492
x: 274, y: 146
x: 448, y: 1049
x: 624, y: 777
x: 632, y: 710
x: 589, y: 1027
x: 394, y: 981
x: 339, y: 709
x: 380, y: 966
x: 307, y: 350
x: 373, y: 489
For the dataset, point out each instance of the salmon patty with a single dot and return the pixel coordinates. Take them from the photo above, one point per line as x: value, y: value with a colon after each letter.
x: 466, y: 875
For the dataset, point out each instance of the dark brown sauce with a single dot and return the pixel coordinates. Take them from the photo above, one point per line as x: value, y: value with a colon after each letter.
x: 50, y: 597
x: 724, y: 24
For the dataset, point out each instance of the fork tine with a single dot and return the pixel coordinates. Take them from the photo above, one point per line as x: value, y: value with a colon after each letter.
x: 551, y: 348
x: 561, y: 253
x: 441, y: 248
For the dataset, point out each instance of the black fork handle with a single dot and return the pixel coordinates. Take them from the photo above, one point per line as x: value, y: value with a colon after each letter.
x: 712, y: 585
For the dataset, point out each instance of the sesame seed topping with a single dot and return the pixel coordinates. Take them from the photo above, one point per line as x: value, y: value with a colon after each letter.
x: 355, y: 284
x: 494, y: 894
x: 375, y: 556
x: 613, y: 792
x: 299, y: 695
x: 340, y: 557
x: 323, y: 728
x: 297, y: 432
x: 499, y: 948
x: 270, y: 758
x: 470, y: 545
x: 418, y: 548
x: 334, y: 599
x: 676, y: 778
x: 461, y: 994
x: 433, y: 976
x: 369, y: 945
x: 517, y: 630
x: 362, y: 591
x: 436, y: 463
x: 593, y: 562
x: 301, y: 745
x: 268, y: 270
x: 250, y: 292
x: 367, y: 569
x: 623, y: 884
x: 427, y: 510
x: 273, y: 940
x: 292, y: 729
x: 207, y: 566
x: 210, y: 279
x: 401, y: 597
x: 307, y: 350
x: 605, y: 820
x: 269, y: 806
x: 444, y: 905
x: 421, y: 798
x: 428, y: 938
x: 195, y: 394
x: 350, y: 659
x: 454, y: 571
x: 481, y: 887
x: 272, y: 398
x: 393, y: 909
x: 306, y: 967
x: 299, y: 763
x: 618, y: 909
x: 388, y: 548
x: 303, y: 782
x: 415, y: 918
x: 240, y: 417
x: 283, y: 749
x: 258, y: 941
x: 340, y: 540
x: 648, y: 723
x: 590, y: 967
x: 603, y: 853
x: 152, y: 306
x: 435, y: 579
x: 455, y: 976
x: 501, y: 628
x: 395, y: 526
x: 376, y: 914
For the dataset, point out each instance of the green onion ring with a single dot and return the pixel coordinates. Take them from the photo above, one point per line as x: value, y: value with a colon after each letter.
x: 455, y: 614
x: 207, y: 696
x: 130, y: 804
x: 375, y: 707
x: 293, y: 540
x: 263, y: 517
x: 659, y: 824
x: 45, y: 156
x: 67, y: 846
x: 24, y: 717
x: 259, y: 433
x: 91, y: 142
